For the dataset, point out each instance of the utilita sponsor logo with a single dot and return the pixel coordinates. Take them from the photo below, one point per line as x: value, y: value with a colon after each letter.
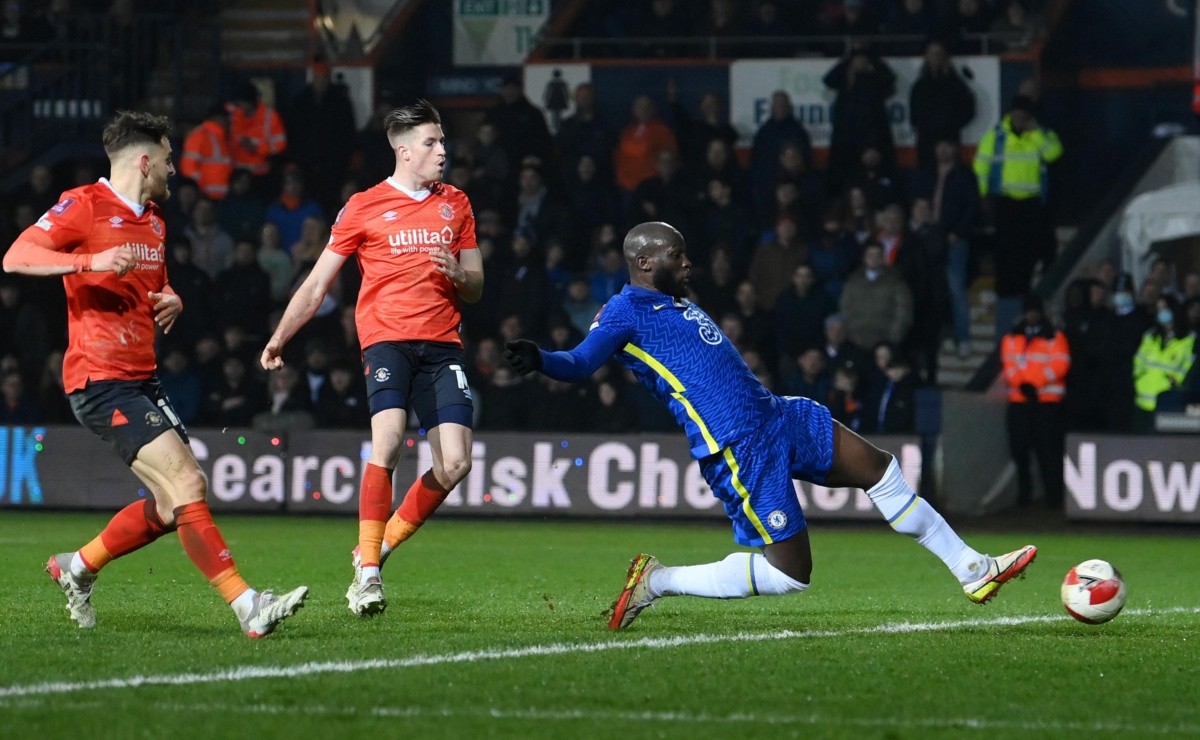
x: 407, y: 241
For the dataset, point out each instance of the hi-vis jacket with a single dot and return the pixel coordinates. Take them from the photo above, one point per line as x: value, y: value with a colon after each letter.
x: 206, y: 159
x: 264, y: 129
x: 1041, y: 360
x: 1013, y: 165
x: 1160, y: 364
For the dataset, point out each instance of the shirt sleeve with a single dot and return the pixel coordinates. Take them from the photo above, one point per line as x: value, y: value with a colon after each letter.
x: 613, y: 329
x: 66, y: 225
x: 346, y: 236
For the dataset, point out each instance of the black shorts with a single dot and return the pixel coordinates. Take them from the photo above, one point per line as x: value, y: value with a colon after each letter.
x: 128, y: 414
x: 427, y: 378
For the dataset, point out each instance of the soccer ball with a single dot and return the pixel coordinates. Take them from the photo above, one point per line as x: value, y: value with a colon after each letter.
x: 1093, y: 592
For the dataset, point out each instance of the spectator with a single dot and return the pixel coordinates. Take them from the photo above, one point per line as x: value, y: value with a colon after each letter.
x: 1161, y: 364
x: 723, y: 222
x: 16, y: 407
x: 276, y: 262
x: 876, y: 303
x: 342, y: 402
x: 41, y: 192
x: 194, y: 288
x: 1085, y: 323
x: 771, y: 24
x: 609, y: 276
x: 235, y: 397
x: 951, y: 189
x: 845, y: 403
x: 721, y: 164
x: 1036, y: 359
x: 780, y: 129
x: 522, y: 285
x: 913, y: 18
x: 586, y: 134
x: 668, y: 195
x: 132, y: 54
x: 863, y: 83
x: 591, y: 202
x: 663, y: 19
x: 507, y: 400
x: 890, y: 405
x: 922, y: 264
x: 24, y: 333
x: 243, y: 292
x: 757, y: 328
x: 1010, y: 165
x: 839, y: 349
x: 492, y: 169
x: 539, y: 213
x: 373, y: 157
x: 212, y: 248
x: 799, y: 317
x: 181, y: 384
x: 811, y: 377
x: 291, y: 208
x: 321, y: 133
x: 774, y: 262
x: 637, y: 151
x: 290, y: 408
x: 1124, y: 332
x: 611, y: 413
x: 314, y: 235
x: 178, y: 209
x: 833, y: 254
x: 579, y: 306
x: 257, y: 134
x: 1015, y: 25
x: 715, y: 287
x: 240, y: 213
x: 560, y: 407
x: 879, y: 185
x: 52, y: 397
x: 694, y: 135
x: 851, y: 18
x: 520, y: 125
x: 206, y: 157
x: 940, y: 103
x: 974, y: 17
x: 557, y: 273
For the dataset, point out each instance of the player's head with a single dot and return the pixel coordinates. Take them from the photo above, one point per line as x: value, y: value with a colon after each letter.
x: 415, y: 133
x: 138, y: 141
x: 657, y: 258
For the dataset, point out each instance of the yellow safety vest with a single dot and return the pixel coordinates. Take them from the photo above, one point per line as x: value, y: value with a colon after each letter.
x: 1014, y: 165
x: 1160, y: 365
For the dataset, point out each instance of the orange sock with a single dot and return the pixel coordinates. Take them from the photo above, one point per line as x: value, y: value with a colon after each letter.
x: 374, y: 503
x: 131, y: 528
x: 422, y: 499
x: 203, y: 543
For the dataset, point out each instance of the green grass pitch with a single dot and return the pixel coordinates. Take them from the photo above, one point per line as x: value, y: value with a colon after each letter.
x: 494, y: 629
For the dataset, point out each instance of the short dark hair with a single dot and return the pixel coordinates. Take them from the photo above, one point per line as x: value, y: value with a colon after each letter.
x: 407, y: 117
x: 130, y: 128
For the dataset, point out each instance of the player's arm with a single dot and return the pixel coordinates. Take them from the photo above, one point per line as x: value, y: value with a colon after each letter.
x: 302, y: 306
x: 465, y: 271
x: 570, y: 365
x: 36, y: 253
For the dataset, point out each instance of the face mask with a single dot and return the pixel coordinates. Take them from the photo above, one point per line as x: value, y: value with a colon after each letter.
x: 872, y: 275
x: 1165, y: 316
x: 1122, y: 302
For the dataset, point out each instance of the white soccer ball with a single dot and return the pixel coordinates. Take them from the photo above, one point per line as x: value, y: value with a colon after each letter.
x: 1093, y: 592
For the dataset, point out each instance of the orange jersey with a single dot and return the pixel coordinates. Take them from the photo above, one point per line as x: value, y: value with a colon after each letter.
x: 110, y: 318
x: 402, y: 297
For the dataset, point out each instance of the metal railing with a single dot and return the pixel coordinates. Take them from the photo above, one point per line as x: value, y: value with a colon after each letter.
x: 714, y: 47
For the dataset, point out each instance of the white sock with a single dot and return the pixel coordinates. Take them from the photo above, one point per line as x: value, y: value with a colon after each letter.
x: 910, y: 514
x: 243, y: 606
x: 79, y: 570
x: 384, y: 551
x: 739, y: 575
x: 368, y: 572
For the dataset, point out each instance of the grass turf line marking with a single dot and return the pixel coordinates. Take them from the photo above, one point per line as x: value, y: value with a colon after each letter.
x: 245, y: 673
x: 572, y: 715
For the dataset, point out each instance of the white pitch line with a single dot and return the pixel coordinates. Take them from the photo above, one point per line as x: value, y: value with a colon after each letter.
x: 665, y: 716
x: 248, y: 672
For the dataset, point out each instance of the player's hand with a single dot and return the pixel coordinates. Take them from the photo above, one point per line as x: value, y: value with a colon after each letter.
x: 167, y: 308
x: 447, y: 264
x: 1029, y: 391
x: 271, y: 359
x: 118, y: 259
x: 523, y: 355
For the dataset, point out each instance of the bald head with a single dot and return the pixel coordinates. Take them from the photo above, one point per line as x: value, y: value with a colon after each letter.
x: 647, y: 239
x: 657, y: 258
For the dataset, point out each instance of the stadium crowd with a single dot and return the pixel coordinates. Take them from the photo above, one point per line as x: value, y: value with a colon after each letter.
x: 840, y: 279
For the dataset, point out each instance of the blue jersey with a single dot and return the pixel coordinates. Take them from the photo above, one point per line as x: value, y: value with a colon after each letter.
x: 677, y: 351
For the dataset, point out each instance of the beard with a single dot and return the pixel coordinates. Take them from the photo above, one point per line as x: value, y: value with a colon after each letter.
x: 665, y: 282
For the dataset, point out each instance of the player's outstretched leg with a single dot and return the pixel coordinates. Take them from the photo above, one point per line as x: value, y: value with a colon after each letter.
x: 77, y: 589
x: 1003, y: 569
